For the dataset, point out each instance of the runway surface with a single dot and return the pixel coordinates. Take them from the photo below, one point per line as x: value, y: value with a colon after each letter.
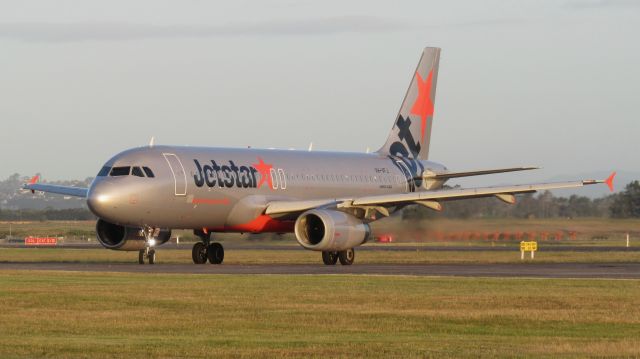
x: 542, y: 270
x: 390, y: 247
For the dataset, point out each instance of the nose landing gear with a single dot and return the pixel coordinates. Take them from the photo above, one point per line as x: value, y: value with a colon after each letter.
x: 148, y: 253
x: 205, y: 250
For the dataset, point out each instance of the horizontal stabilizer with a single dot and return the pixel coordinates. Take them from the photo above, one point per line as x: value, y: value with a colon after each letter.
x: 447, y: 175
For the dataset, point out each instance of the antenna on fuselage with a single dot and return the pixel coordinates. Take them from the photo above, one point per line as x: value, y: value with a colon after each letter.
x: 310, y: 146
x: 368, y: 150
x: 152, y: 141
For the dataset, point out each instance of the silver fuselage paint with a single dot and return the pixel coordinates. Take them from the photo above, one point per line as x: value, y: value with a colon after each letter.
x: 234, y: 195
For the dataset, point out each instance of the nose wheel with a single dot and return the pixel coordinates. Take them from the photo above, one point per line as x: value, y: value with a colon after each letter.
x: 206, y: 251
x: 148, y: 255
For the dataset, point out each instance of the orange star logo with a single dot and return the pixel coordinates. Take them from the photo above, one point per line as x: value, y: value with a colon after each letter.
x: 423, y: 106
x: 265, y: 172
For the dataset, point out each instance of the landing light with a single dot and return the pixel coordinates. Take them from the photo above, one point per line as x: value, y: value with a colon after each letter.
x: 152, y: 242
x: 102, y: 198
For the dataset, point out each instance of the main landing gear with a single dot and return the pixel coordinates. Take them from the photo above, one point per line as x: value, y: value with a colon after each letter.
x: 346, y: 257
x: 205, y: 250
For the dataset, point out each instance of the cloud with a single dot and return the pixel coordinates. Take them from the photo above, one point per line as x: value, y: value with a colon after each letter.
x: 74, y: 32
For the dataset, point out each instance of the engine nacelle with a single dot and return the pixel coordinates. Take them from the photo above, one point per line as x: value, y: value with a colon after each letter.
x: 114, y: 236
x: 328, y: 230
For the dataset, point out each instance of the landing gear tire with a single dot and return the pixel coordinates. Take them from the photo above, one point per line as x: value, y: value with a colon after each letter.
x: 329, y: 258
x: 347, y: 257
x: 199, y: 253
x: 215, y: 253
x: 148, y: 254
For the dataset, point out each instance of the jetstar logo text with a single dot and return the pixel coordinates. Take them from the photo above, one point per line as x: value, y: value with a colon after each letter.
x: 404, y: 154
x: 230, y: 175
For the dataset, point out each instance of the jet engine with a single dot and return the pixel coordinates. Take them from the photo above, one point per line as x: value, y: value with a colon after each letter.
x: 114, y: 236
x: 329, y: 230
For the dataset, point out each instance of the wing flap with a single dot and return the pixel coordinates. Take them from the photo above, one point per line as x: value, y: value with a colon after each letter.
x: 283, y: 207
x: 451, y: 194
x: 447, y: 175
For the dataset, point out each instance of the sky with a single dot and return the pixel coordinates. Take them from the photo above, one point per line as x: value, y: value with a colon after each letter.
x: 552, y: 83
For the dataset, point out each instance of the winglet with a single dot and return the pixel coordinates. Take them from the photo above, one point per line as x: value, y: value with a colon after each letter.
x: 609, y: 180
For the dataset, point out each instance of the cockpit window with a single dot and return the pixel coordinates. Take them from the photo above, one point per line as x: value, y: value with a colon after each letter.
x: 120, y: 171
x: 136, y: 171
x: 104, y: 171
x: 148, y: 171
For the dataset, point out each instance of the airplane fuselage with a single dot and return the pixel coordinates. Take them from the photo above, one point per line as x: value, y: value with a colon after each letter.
x: 226, y: 189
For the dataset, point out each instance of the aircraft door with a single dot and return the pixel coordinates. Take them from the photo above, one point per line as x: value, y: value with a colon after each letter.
x: 179, y: 174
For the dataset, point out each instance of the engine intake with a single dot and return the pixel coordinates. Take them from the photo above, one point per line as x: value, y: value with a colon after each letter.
x: 329, y: 230
x: 117, y: 237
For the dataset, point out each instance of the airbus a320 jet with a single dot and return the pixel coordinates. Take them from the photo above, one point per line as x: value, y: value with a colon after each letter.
x: 327, y: 199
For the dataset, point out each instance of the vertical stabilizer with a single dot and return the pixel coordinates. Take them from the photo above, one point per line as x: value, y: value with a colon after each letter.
x: 411, y: 132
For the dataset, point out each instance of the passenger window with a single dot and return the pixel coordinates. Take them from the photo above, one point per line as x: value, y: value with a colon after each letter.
x: 148, y: 171
x: 104, y: 171
x: 136, y: 171
x: 120, y: 171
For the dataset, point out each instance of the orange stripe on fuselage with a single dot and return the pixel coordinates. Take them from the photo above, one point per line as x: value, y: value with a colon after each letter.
x: 261, y: 224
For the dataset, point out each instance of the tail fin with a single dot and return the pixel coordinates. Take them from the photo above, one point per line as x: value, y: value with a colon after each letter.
x: 411, y: 133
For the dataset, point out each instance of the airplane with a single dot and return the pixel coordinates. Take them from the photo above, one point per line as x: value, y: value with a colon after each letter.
x: 327, y: 198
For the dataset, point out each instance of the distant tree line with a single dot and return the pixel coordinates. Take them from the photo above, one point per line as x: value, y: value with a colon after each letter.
x: 49, y: 214
x: 625, y: 204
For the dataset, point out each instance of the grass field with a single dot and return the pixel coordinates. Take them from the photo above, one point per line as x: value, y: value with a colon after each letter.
x: 104, y: 315
x: 134, y: 315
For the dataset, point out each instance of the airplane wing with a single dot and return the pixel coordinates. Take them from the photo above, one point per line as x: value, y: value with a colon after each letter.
x: 33, y: 186
x: 429, y: 199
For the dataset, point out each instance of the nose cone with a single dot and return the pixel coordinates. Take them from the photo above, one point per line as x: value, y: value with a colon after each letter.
x: 102, y: 199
